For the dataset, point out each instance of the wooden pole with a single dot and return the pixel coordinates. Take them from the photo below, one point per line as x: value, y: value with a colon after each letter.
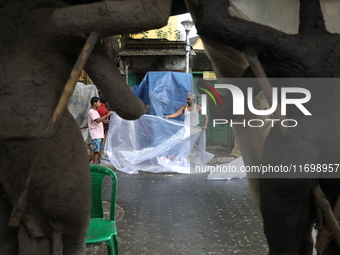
x: 73, y: 78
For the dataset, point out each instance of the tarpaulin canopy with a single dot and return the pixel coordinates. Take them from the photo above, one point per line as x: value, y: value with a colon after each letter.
x: 164, y: 92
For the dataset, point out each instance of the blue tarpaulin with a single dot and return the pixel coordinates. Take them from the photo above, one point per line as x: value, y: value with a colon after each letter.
x: 164, y: 92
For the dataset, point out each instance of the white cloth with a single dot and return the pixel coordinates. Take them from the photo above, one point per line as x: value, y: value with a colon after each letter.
x: 191, y: 117
x: 79, y: 105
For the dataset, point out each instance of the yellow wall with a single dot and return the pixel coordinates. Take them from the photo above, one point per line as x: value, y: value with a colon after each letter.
x: 198, y: 45
x: 168, y: 29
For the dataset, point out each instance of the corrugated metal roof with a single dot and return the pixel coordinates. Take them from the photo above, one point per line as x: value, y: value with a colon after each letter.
x: 159, y: 52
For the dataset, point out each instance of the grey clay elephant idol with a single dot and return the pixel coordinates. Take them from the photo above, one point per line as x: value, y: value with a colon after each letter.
x: 289, y: 206
x: 44, y: 176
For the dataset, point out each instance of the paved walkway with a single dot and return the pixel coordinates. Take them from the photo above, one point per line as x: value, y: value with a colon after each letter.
x: 165, y: 214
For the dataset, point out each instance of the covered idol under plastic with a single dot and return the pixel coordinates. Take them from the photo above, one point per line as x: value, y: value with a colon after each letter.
x: 79, y: 105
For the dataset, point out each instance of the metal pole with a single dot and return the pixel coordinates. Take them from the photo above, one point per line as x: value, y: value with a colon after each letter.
x: 187, y: 52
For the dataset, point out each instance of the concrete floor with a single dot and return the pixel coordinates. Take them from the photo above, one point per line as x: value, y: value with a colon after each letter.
x: 166, y: 214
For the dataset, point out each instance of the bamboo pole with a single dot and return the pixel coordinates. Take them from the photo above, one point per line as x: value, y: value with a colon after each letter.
x: 73, y: 78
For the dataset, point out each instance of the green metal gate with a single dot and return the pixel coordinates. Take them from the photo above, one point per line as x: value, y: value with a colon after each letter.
x: 219, y: 135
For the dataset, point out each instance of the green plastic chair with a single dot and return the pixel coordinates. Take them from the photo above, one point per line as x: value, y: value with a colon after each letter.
x: 102, y: 230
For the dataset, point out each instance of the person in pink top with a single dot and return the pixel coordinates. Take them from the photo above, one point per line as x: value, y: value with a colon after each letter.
x: 95, y: 124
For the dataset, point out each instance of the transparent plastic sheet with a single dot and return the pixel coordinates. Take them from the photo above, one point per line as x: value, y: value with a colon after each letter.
x: 154, y: 144
x: 164, y: 92
x: 79, y: 105
x: 228, y: 171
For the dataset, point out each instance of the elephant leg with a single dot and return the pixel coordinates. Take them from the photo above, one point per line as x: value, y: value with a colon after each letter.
x: 288, y: 215
x: 287, y: 203
x: 8, y: 235
x: 331, y: 189
x: 65, y: 179
x: 32, y: 245
x: 57, y: 204
x: 328, y: 226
